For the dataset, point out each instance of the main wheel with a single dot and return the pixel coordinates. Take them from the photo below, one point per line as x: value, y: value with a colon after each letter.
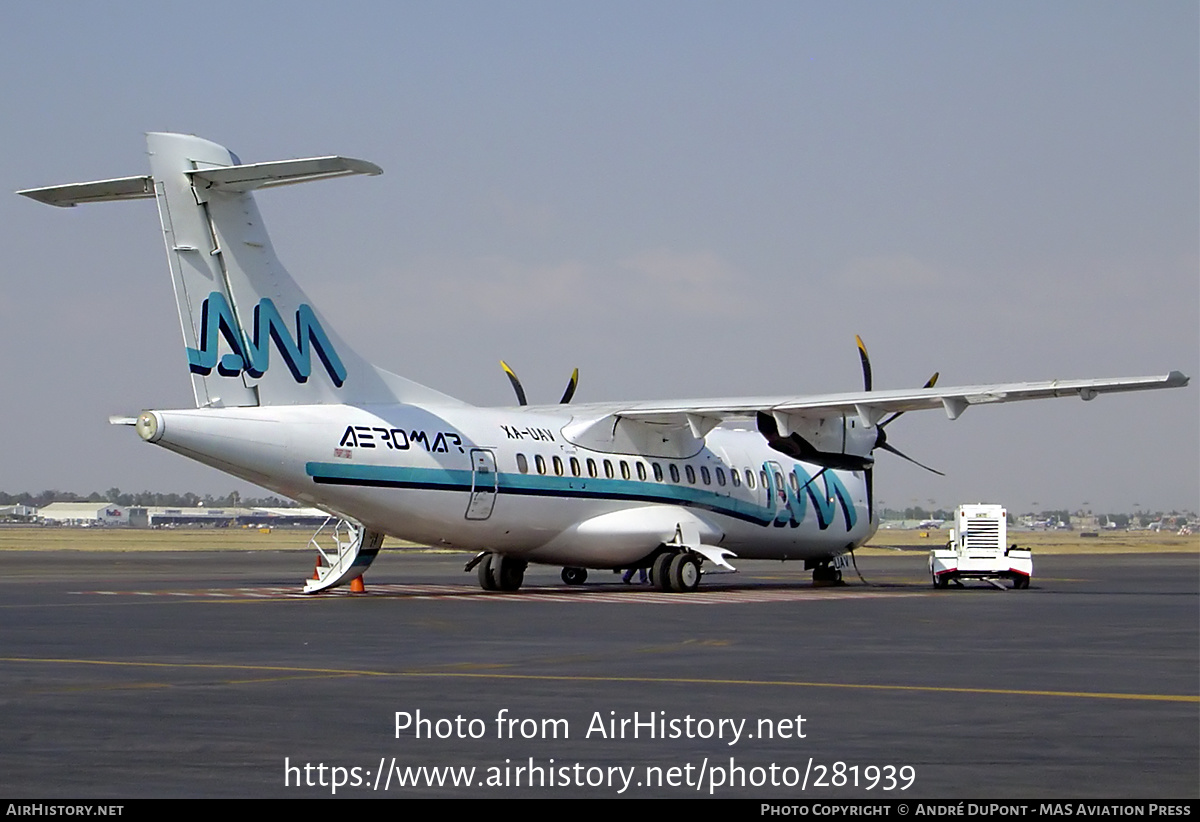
x: 659, y: 577
x: 684, y: 573
x: 487, y: 580
x: 574, y: 576
x: 1020, y: 582
x: 511, y: 573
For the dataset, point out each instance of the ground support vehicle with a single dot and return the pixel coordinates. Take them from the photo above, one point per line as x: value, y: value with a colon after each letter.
x: 976, y: 550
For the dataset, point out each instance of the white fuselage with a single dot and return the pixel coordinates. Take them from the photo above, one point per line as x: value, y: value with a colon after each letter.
x: 508, y: 481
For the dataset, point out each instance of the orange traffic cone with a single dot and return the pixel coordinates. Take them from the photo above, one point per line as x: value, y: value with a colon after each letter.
x: 357, y: 587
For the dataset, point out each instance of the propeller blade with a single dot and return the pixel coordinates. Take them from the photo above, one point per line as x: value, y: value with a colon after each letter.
x: 571, y: 386
x: 930, y: 383
x: 866, y: 363
x: 516, y: 384
x: 886, y: 447
x: 881, y: 440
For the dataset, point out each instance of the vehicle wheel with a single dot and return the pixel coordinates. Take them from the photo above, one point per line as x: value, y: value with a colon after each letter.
x: 574, y: 576
x: 684, y: 573
x: 1020, y: 582
x: 659, y: 577
x: 487, y: 581
x: 511, y: 573
x: 941, y: 582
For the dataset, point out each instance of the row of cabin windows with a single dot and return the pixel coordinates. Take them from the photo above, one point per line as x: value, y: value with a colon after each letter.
x: 593, y: 469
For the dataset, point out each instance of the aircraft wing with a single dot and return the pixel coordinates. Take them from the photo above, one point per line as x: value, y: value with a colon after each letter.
x: 871, y: 406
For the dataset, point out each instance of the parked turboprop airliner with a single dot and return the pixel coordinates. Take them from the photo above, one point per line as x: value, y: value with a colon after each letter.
x: 283, y: 402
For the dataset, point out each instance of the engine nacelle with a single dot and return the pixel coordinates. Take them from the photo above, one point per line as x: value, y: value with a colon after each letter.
x: 840, y: 443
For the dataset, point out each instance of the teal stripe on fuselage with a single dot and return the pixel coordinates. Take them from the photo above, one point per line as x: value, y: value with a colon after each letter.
x: 442, y: 479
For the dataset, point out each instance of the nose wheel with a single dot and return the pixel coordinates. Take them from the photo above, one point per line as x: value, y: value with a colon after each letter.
x: 826, y: 574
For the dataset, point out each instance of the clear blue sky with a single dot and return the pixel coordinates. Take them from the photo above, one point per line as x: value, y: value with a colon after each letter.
x: 682, y: 199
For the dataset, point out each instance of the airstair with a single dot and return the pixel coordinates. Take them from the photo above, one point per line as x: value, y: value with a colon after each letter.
x: 346, y: 549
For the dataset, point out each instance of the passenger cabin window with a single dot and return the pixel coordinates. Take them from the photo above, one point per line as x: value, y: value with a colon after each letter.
x: 691, y: 474
x: 625, y: 470
x: 749, y: 478
x: 736, y: 477
x: 674, y: 469
x: 574, y: 467
x: 705, y: 476
x: 795, y: 482
x: 641, y: 471
x: 763, y: 475
x: 591, y: 465
x: 658, y: 477
x: 540, y: 463
x: 558, y: 467
x: 608, y: 469
x: 522, y: 464
x: 721, y: 477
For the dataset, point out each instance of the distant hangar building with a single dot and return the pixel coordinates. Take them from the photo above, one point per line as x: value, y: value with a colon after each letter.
x: 98, y: 514
x: 84, y: 514
x: 201, y: 517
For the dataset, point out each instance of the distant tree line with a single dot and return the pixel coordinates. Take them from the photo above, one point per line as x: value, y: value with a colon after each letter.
x: 1120, y: 521
x: 145, y: 499
x: 916, y: 512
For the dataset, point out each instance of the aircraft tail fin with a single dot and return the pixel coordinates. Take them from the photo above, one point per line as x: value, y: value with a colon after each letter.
x: 251, y: 334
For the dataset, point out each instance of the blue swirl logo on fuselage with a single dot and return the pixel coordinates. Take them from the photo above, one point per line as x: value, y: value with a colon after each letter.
x: 252, y: 354
x: 795, y: 507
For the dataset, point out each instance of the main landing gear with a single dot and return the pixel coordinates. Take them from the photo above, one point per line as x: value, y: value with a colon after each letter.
x: 675, y: 572
x: 671, y: 571
x: 500, y: 573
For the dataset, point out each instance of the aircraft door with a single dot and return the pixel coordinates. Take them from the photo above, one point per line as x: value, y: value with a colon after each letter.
x: 483, y: 484
x: 776, y: 490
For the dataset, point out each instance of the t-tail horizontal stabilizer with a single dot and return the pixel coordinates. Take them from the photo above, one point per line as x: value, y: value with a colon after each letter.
x: 251, y: 334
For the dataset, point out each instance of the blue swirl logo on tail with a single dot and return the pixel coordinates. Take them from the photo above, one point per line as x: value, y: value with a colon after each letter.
x: 252, y: 354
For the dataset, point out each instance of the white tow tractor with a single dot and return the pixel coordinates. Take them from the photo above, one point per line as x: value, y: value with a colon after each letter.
x: 977, y: 550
